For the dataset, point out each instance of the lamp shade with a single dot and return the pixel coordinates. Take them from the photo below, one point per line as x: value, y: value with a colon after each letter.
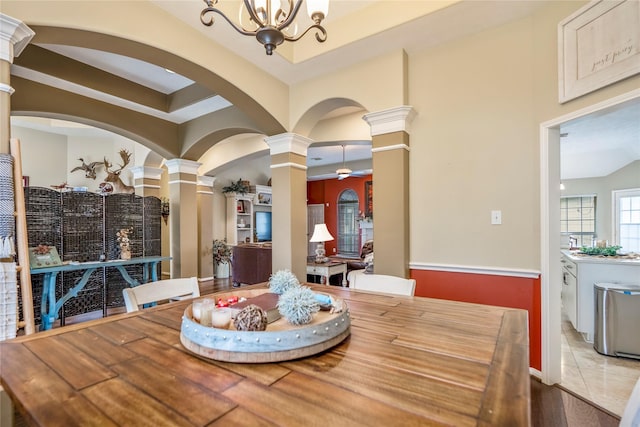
x: 318, y: 6
x: 321, y: 234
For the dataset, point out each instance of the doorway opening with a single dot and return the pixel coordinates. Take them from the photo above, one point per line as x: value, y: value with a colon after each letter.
x: 550, y: 232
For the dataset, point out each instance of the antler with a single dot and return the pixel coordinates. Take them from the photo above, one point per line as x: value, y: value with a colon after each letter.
x: 107, y: 165
x: 126, y: 158
x: 125, y: 155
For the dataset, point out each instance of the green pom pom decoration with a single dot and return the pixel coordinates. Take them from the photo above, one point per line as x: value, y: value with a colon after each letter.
x: 282, y: 280
x: 298, y: 304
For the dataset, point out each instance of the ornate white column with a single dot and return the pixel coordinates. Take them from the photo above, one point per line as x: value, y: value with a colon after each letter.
x: 205, y: 226
x: 183, y: 220
x: 14, y: 37
x: 390, y: 138
x: 289, y: 186
x: 146, y: 180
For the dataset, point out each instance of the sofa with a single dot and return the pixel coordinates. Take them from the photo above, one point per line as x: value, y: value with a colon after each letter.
x: 364, y: 265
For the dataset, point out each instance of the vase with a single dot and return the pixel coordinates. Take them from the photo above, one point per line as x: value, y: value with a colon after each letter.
x: 125, y: 253
x: 222, y: 270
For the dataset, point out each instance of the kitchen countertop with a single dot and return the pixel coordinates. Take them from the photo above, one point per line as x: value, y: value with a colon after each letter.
x: 575, y: 256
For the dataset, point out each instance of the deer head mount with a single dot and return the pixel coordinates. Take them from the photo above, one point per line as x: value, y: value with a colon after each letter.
x: 89, y: 169
x: 113, y: 176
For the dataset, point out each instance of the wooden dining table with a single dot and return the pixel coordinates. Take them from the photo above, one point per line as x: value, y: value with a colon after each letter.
x: 407, y: 361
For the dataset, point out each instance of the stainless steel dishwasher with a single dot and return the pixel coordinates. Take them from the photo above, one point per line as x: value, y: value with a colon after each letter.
x: 617, y: 319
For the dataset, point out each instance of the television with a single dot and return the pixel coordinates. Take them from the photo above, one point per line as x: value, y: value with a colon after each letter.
x: 263, y: 226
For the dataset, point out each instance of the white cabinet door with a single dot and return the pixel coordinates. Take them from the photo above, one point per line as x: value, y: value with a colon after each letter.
x: 569, y: 296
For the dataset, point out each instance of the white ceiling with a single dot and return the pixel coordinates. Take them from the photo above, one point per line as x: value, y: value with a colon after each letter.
x: 600, y: 143
x: 594, y: 146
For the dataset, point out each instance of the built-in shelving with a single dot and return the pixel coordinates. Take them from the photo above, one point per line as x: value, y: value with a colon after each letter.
x: 239, y: 218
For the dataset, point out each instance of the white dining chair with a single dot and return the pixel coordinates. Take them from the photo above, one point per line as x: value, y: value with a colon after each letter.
x: 382, y: 283
x: 631, y: 414
x: 153, y: 292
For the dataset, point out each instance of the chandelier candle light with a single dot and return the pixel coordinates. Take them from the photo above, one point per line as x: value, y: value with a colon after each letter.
x: 321, y: 235
x: 269, y: 25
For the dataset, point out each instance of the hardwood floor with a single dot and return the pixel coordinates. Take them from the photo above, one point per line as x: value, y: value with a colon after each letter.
x: 551, y: 406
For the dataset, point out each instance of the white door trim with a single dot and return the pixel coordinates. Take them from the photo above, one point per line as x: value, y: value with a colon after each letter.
x: 550, y: 233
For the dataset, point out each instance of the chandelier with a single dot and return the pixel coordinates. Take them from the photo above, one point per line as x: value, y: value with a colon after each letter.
x: 269, y: 25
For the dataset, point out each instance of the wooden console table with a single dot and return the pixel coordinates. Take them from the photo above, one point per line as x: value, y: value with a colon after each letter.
x: 50, y: 308
x: 328, y: 269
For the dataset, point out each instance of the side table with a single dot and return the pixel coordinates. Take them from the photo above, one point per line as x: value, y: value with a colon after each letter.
x: 328, y: 269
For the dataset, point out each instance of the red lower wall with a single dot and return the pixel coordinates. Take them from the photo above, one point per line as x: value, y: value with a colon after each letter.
x: 503, y: 291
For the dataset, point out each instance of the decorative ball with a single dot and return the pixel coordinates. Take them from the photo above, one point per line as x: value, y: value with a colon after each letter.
x: 283, y: 280
x: 251, y: 318
x: 298, y: 304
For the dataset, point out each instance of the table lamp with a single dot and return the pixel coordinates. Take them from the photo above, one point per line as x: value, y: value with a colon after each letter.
x: 321, y: 235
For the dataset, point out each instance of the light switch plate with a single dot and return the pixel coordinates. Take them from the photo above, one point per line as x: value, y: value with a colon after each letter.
x: 496, y: 217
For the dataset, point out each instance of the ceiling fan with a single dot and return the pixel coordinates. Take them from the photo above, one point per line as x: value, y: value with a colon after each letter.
x: 343, y: 172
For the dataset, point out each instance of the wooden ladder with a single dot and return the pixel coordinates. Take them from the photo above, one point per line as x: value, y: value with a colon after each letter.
x: 22, y: 246
x: 22, y: 242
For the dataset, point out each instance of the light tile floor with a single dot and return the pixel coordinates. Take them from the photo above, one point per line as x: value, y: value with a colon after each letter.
x: 604, y: 380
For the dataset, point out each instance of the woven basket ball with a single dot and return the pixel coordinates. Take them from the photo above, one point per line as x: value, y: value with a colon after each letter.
x: 251, y: 318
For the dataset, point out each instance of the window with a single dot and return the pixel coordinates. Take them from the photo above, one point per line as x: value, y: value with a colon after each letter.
x: 627, y: 219
x: 348, y: 236
x: 578, y: 218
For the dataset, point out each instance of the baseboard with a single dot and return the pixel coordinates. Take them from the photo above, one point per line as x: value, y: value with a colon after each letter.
x: 535, y: 373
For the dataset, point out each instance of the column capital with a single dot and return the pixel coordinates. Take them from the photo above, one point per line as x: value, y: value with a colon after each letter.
x: 6, y: 88
x: 15, y: 35
x: 140, y: 172
x: 206, y: 181
x: 288, y: 143
x: 182, y: 166
x: 392, y: 120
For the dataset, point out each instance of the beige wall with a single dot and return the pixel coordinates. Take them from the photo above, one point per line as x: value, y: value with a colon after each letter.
x: 44, y: 156
x: 48, y: 158
x: 474, y: 150
x: 475, y: 143
x: 147, y: 23
x: 343, y: 128
x: 376, y: 85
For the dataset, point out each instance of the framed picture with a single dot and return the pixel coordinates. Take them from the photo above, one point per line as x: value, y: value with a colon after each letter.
x: 598, y: 46
x: 240, y: 206
x: 368, y: 199
x: 264, y: 198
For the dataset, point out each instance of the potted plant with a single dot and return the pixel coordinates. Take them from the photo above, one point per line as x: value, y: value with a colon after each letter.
x: 221, y: 257
x: 239, y: 187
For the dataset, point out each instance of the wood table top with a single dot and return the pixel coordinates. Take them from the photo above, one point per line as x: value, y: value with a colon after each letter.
x: 408, y: 361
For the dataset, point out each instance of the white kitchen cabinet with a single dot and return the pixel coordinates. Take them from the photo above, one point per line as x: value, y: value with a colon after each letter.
x: 570, y: 290
x: 239, y: 218
x: 578, y: 295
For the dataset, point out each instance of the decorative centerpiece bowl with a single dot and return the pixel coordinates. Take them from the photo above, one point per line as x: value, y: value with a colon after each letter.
x: 281, y: 341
